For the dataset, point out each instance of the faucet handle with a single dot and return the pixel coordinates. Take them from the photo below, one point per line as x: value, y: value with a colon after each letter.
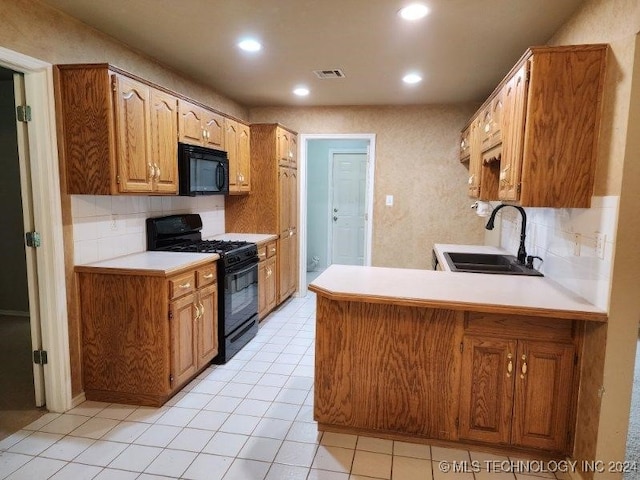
x: 530, y: 260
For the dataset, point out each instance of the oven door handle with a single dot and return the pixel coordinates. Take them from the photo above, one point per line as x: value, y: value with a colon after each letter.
x: 244, y: 270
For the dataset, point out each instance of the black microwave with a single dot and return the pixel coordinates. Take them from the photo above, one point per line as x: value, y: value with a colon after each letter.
x: 202, y: 171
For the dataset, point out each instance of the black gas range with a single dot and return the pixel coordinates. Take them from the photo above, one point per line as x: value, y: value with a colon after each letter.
x: 237, y: 276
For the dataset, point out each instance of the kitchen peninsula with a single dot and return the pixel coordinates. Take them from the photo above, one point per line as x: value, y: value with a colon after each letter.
x: 452, y: 357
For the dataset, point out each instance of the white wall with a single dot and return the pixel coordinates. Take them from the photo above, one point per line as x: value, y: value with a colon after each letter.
x: 551, y: 234
x: 110, y: 226
x: 318, y: 152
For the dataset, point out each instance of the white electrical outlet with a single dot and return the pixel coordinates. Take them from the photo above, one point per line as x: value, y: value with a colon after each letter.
x: 601, y: 238
x: 389, y: 201
x: 113, y: 224
x: 576, y: 244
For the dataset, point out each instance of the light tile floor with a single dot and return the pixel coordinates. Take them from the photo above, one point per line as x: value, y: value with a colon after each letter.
x: 250, y: 419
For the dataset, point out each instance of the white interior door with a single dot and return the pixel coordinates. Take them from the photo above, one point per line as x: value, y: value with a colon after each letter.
x: 29, y: 226
x: 348, y: 208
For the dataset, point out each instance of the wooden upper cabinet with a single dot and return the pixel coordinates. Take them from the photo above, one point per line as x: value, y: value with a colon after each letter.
x: 244, y: 157
x: 164, y: 148
x: 546, y: 116
x: 238, y: 142
x: 514, y: 96
x: 116, y: 134
x: 213, y: 125
x: 199, y: 126
x: 132, y: 113
x: 287, y: 148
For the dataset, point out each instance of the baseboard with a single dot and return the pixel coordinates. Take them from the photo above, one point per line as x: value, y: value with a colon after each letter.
x: 14, y: 313
x: 77, y: 400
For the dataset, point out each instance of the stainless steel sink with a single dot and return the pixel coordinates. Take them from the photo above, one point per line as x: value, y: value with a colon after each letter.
x: 488, y: 263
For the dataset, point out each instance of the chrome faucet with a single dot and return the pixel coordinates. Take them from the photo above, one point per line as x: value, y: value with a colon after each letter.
x: 522, y: 253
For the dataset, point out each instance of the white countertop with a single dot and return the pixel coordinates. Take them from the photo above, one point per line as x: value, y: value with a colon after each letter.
x: 522, y: 295
x: 245, y: 237
x: 150, y: 263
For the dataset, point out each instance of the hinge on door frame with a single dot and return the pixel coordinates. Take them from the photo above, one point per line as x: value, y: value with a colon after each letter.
x: 32, y: 239
x: 461, y: 347
x: 170, y: 380
x: 518, y: 187
x: 40, y: 357
x: 118, y: 179
x: 23, y: 113
x: 170, y: 314
x: 113, y: 83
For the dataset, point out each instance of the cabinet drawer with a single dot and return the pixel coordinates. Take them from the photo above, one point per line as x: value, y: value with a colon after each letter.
x: 271, y: 249
x: 519, y: 326
x: 182, y: 284
x: 262, y: 253
x: 206, y: 275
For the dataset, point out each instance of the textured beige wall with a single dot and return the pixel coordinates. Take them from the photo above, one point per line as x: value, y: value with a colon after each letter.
x: 416, y: 162
x: 32, y: 28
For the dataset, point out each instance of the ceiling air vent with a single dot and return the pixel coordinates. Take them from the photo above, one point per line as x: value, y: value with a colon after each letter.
x: 335, y: 73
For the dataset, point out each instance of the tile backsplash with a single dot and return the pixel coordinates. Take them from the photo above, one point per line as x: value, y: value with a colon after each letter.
x: 568, y: 240
x: 110, y: 226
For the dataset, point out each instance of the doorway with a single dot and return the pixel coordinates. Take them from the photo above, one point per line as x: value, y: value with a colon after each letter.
x: 21, y: 381
x: 336, y: 173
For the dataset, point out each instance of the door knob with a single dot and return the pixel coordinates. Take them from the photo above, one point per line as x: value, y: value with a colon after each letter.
x: 335, y: 210
x: 335, y: 219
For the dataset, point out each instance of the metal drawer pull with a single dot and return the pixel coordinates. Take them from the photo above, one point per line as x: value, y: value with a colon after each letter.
x: 509, y: 365
x: 185, y: 285
x: 198, y: 314
x: 524, y: 367
x: 208, y: 276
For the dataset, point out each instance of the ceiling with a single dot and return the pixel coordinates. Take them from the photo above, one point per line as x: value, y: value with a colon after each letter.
x: 463, y: 48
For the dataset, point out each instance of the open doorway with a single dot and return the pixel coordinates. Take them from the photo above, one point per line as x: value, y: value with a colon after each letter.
x: 336, y: 178
x: 21, y: 381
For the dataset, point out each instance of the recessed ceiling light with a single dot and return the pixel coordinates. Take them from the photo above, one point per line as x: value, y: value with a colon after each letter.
x: 301, y: 91
x: 412, y: 78
x: 415, y: 11
x: 250, y: 45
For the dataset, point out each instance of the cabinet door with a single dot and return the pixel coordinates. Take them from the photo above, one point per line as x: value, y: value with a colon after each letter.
x: 513, y: 115
x: 475, y: 160
x: 293, y: 151
x: 207, y: 321
x: 183, y: 340
x: 271, y: 290
x: 465, y: 144
x: 283, y: 146
x: 190, y: 123
x: 486, y: 389
x: 164, y: 145
x: 284, y: 267
x: 244, y: 158
x: 262, y: 289
x: 213, y: 125
x: 131, y: 103
x: 544, y: 388
x: 231, y: 142
x: 284, y: 198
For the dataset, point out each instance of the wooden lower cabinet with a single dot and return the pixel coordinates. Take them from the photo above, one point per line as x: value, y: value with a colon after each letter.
x: 517, y: 392
x: 144, y: 336
x: 267, y: 274
x: 421, y: 373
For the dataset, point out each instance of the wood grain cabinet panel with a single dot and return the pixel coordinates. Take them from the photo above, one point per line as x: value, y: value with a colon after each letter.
x: 145, y: 336
x: 517, y: 391
x: 272, y: 207
x: 117, y: 134
x: 546, y: 115
x: 486, y: 389
x: 238, y: 141
x: 200, y: 126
